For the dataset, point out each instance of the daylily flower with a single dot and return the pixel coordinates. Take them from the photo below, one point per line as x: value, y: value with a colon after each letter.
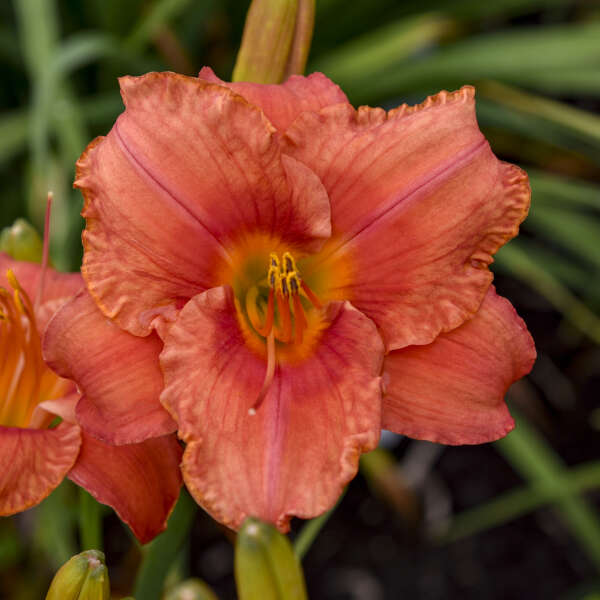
x: 35, y: 455
x: 314, y: 271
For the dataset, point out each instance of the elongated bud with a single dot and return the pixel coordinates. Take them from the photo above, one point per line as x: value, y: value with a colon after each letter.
x: 191, y: 589
x: 21, y: 241
x: 266, y: 567
x: 82, y: 577
x: 276, y: 40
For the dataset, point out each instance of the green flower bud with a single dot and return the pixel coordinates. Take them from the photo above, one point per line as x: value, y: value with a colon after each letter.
x: 276, y: 40
x: 82, y: 577
x: 266, y: 567
x: 191, y: 589
x: 21, y: 241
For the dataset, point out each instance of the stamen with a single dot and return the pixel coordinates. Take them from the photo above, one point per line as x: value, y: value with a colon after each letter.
x: 265, y: 330
x: 17, y: 290
x: 251, y: 307
x: 311, y: 295
x: 289, y: 264
x: 283, y: 286
x: 293, y: 282
x: 40, y: 290
x: 12, y: 279
x: 273, y: 276
x: 283, y: 305
x: 274, y: 260
x: 21, y: 355
x: 270, y: 372
x: 20, y: 297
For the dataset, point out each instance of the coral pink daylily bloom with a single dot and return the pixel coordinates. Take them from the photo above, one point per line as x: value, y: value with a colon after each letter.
x: 314, y: 272
x: 34, y: 455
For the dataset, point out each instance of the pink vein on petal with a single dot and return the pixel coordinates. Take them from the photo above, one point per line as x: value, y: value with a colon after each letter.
x: 138, y: 164
x: 401, y: 201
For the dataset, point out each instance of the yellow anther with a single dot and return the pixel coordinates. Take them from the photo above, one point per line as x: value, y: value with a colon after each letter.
x: 14, y: 284
x: 293, y: 282
x: 282, y: 285
x: 273, y: 276
x: 273, y: 260
x: 289, y: 264
x: 283, y: 276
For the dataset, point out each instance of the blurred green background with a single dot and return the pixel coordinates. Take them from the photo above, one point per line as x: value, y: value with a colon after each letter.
x: 516, y: 519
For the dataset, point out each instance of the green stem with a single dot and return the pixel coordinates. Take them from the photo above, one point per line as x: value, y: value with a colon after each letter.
x: 160, y: 554
x: 90, y: 522
x: 311, y: 530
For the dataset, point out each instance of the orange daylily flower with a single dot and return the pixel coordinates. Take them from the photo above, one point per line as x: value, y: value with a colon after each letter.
x: 315, y: 272
x: 35, y: 456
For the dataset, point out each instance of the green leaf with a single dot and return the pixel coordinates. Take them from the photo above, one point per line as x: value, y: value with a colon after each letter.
x: 563, y: 192
x: 539, y: 118
x: 388, y: 45
x: 514, y: 259
x: 38, y: 32
x: 312, y: 528
x: 577, y: 232
x: 54, y: 525
x: 160, y: 13
x: 160, y: 554
x: 535, y: 460
x: 515, y: 56
x: 13, y: 134
x: 567, y: 271
x: 521, y: 501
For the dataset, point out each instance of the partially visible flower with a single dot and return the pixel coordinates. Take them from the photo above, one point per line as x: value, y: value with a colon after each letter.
x: 36, y: 453
x: 34, y: 457
x: 313, y: 270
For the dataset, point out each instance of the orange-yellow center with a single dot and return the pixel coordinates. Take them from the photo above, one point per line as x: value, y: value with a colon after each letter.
x: 280, y: 293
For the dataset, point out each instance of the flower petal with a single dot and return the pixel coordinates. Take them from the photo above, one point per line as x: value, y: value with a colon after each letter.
x: 63, y: 407
x: 283, y: 103
x: 187, y: 170
x: 33, y: 462
x: 419, y: 204
x: 117, y: 373
x: 140, y: 481
x: 57, y: 285
x: 452, y: 391
x: 293, y: 456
